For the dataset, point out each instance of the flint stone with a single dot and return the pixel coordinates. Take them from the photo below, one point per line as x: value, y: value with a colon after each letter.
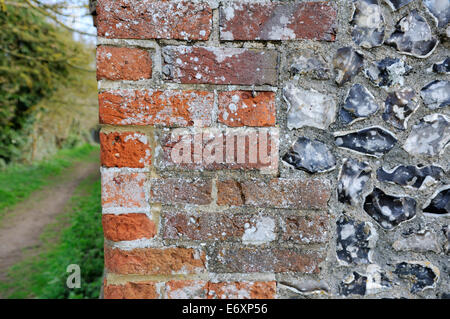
x: 413, y: 36
x: 436, y: 94
x: 411, y: 176
x: 399, y: 106
x: 312, y: 65
x: 442, y: 67
x: 420, y: 242
x: 347, y: 63
x: 429, y: 137
x: 388, y: 210
x: 307, y: 286
x: 353, y: 178
x: 359, y: 104
x: 308, y: 108
x: 354, y: 284
x: 376, y: 279
x: 439, y: 204
x: 440, y: 10
x: 423, y: 275
x: 310, y: 155
x: 368, y: 24
x: 373, y: 281
x: 387, y: 73
x: 355, y: 241
x: 373, y: 141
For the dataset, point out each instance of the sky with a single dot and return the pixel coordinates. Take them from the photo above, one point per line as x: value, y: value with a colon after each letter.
x: 77, y: 18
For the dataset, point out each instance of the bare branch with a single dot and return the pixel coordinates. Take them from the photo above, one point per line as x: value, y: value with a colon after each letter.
x: 55, y: 19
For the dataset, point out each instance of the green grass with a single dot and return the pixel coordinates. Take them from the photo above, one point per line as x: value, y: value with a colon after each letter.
x: 76, y: 238
x: 18, y: 181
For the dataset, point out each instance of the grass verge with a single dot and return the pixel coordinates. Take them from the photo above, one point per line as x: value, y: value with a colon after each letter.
x: 76, y: 238
x: 18, y: 181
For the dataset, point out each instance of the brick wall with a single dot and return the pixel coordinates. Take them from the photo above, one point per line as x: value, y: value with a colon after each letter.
x: 223, y: 153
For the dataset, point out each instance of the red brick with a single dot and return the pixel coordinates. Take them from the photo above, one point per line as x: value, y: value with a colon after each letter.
x: 229, y: 192
x: 124, y: 149
x: 250, y: 259
x: 155, y: 261
x: 123, y: 189
x: 276, y: 193
x: 210, y: 226
x: 194, y: 289
x: 123, y: 64
x: 278, y: 21
x: 131, y: 290
x: 166, y: 108
x: 128, y: 227
x: 183, y: 225
x: 215, y: 149
x: 174, y: 190
x: 186, y: 289
x: 309, y: 229
x: 152, y: 19
x: 242, y: 290
x: 241, y: 108
x: 196, y: 65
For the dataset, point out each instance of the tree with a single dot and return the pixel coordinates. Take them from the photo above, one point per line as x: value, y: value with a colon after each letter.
x: 38, y: 55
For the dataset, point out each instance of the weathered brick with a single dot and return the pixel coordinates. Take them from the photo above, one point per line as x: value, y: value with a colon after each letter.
x: 152, y: 19
x: 123, y: 190
x: 124, y: 149
x: 123, y: 64
x: 313, y: 228
x: 214, y: 65
x: 128, y: 227
x: 243, y: 108
x: 277, y: 193
x: 175, y: 190
x: 215, y: 149
x: 229, y: 192
x: 278, y: 21
x: 131, y: 290
x: 166, y: 108
x: 242, y: 290
x: 251, y: 259
x: 218, y: 226
x: 186, y: 289
x: 155, y: 261
x: 248, y: 228
x: 195, y: 289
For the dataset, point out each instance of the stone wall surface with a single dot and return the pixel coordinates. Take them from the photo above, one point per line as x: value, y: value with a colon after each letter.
x: 275, y: 149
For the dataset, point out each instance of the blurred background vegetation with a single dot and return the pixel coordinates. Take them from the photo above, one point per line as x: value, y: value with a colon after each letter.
x: 47, y: 80
x: 48, y: 120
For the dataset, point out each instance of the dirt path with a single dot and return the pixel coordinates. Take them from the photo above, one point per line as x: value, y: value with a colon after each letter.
x: 22, y: 226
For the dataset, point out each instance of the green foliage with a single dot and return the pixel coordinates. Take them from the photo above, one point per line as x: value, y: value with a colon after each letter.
x: 80, y: 243
x: 18, y: 181
x: 36, y: 59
